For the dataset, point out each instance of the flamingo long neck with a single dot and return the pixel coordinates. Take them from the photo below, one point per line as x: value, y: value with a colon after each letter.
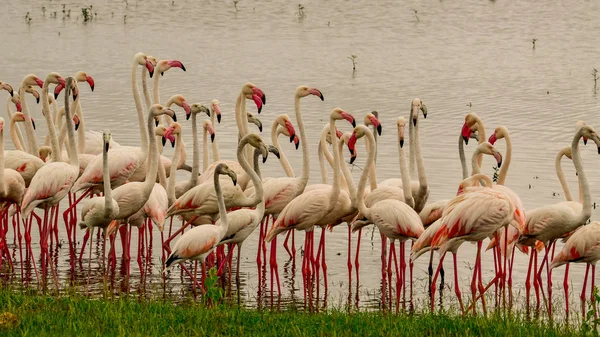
x: 482, y: 137
x: 412, y: 159
x: 50, y: 123
x: 195, y: 154
x: 31, y: 140
x: 561, y: 175
x: 586, y: 211
x: 138, y: 107
x: 463, y: 159
x: 173, y: 173
x: 260, y: 207
x: 215, y: 146
x: 145, y: 91
x: 73, y: 155
x: 155, y: 94
x: 371, y: 169
x: 204, y: 149
x: 162, y: 173
x: 15, y: 132
x: 14, y: 136
x: 365, y: 174
x: 81, y: 128
x: 475, y: 166
x: 108, y: 204
x: 507, y: 159
x: 335, y: 187
x: 246, y: 202
x: 2, y: 187
x: 285, y: 164
x: 304, y: 143
x: 152, y: 159
x: 242, y: 120
x: 423, y: 192
x: 222, y: 223
x: 351, y: 188
x: 405, y: 175
x: 321, y: 154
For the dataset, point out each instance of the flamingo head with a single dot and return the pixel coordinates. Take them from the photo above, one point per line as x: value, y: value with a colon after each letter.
x: 251, y: 91
x: 401, y: 124
x: 216, y: 109
x: 579, y: 124
x: 487, y: 148
x: 32, y: 80
x: 17, y: 102
x: 222, y: 168
x: 345, y: 137
x: 416, y: 105
x: 106, y: 135
x: 339, y: 114
x: 196, y: 108
x: 174, y: 128
x: 180, y: 101
x: 359, y: 132
x: 303, y: 91
x: 82, y: 76
x: 35, y: 93
x: 499, y: 133
x: 466, y: 133
x: 257, y: 142
x: 589, y: 132
x: 371, y: 119
x: 207, y: 125
x: 158, y: 110
x: 76, y: 122
x: 254, y: 120
x: 164, y: 65
x: 142, y: 60
x: 7, y: 87
x: 284, y: 120
x: 44, y: 152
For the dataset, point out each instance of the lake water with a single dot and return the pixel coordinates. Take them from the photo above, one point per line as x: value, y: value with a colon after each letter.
x: 458, y: 57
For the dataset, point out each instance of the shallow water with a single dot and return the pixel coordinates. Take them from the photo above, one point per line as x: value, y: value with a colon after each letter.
x: 458, y: 57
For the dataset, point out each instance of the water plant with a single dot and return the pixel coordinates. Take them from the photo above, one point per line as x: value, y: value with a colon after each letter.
x: 416, y: 15
x: 301, y: 15
x: 596, y: 78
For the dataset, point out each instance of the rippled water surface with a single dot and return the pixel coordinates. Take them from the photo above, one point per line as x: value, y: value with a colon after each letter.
x: 458, y: 57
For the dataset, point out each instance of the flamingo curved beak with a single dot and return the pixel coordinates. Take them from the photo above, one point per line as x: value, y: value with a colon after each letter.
x: 376, y: 123
x: 585, y: 140
x: 176, y: 64
x: 290, y: 128
x: 492, y: 139
x: 168, y: 134
x: 401, y: 142
x: 498, y: 157
x: 150, y: 68
x: 75, y: 93
x: 352, y: 143
x: 39, y: 82
x: 259, y: 98
x: 296, y: 142
x: 316, y: 92
x: 57, y: 90
x: 187, y: 109
x: 211, y: 130
x: 32, y: 122
x: 90, y: 81
x: 19, y: 107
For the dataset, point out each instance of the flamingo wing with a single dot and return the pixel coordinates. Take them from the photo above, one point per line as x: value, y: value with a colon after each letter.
x: 582, y: 246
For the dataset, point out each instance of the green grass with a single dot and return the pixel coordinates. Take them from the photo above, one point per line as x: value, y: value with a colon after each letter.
x: 39, y: 315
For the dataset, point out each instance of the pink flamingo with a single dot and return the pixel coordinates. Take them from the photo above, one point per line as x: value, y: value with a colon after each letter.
x: 548, y: 223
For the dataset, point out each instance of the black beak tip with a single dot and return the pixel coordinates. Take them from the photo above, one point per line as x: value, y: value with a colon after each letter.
x: 234, y: 182
x: 33, y: 124
x: 260, y: 128
x: 414, y: 122
x: 11, y: 92
x: 187, y: 117
x: 212, y: 138
x: 37, y: 100
x: 352, y: 159
x: 264, y: 160
x: 164, y: 141
x: 74, y: 97
x: 466, y: 139
x: 92, y: 87
x: 219, y: 119
x: 76, y: 127
x: 379, y: 129
x: 401, y: 142
x: 174, y: 118
x: 151, y: 73
x: 162, y: 73
x: 173, y: 144
x: 425, y: 116
x: 585, y: 142
x: 264, y: 99
x: 599, y: 150
x: 156, y: 123
x: 55, y: 97
x: 183, y: 67
x: 353, y: 123
x: 106, y: 146
x: 260, y: 109
x: 321, y: 97
x: 297, y: 144
x: 499, y: 164
x: 292, y: 138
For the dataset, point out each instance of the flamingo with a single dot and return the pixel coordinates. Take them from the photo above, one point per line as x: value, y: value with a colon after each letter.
x: 395, y: 219
x: 12, y: 189
x: 200, y: 241
x: 100, y: 211
x: 548, y: 223
x: 309, y: 208
x: 582, y: 247
x: 53, y: 181
x: 7, y: 87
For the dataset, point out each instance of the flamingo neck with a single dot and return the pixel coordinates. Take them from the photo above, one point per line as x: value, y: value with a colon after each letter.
x: 405, y: 175
x: 222, y: 224
x: 204, y: 149
x: 50, y: 124
x: 14, y: 136
x: 463, y: 159
x: 108, y: 204
x: 2, y: 187
x: 260, y: 207
x: 304, y: 143
x: 215, y: 146
x: 323, y: 156
x: 412, y: 161
x: 561, y: 175
x: 351, y: 188
x: 371, y: 169
x: 196, y: 153
x: 145, y: 90
x: 248, y: 202
x: 152, y: 159
x: 362, y: 183
x: 506, y: 161
x: 586, y: 211
x: 73, y: 156
x: 31, y: 139
x: 335, y: 187
x: 173, y: 173
x: 329, y: 157
x: 81, y: 128
x: 138, y: 107
x: 423, y: 192
x: 481, y: 134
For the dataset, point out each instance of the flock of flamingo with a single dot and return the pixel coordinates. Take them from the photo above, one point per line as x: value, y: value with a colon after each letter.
x: 123, y: 186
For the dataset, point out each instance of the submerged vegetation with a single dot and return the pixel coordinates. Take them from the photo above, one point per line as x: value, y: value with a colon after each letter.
x: 35, y: 314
